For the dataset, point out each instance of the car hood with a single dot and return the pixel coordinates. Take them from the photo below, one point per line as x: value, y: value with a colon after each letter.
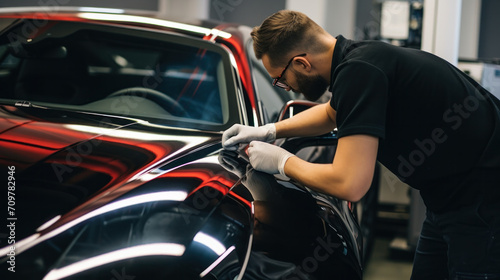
x: 85, y: 180
x: 68, y: 163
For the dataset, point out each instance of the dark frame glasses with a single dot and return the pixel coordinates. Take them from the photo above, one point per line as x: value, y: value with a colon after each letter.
x: 276, y: 82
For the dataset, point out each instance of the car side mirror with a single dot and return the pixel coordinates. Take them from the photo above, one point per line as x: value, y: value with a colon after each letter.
x: 293, y: 107
x: 293, y: 145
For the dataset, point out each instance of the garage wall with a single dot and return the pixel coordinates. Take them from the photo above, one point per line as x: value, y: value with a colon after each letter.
x: 469, y: 29
x: 335, y: 16
x: 246, y: 12
x: 489, y: 41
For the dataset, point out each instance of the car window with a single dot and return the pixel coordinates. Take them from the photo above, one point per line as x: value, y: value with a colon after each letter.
x: 271, y: 101
x: 272, y: 98
x: 115, y: 71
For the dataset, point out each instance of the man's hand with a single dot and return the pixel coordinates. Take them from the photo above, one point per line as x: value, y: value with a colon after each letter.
x: 267, y: 157
x: 232, y: 163
x: 245, y: 134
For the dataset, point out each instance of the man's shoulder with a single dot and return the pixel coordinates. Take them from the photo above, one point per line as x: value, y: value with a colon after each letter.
x: 362, y: 49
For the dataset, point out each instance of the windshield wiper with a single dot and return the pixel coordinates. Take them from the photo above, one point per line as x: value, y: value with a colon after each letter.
x: 24, y: 103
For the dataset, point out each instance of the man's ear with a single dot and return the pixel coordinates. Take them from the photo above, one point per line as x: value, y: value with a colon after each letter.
x: 302, y: 63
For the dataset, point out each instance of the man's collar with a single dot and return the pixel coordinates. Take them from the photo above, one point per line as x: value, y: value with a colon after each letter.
x: 338, y: 54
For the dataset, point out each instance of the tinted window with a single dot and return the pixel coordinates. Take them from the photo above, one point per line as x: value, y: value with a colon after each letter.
x: 116, y: 71
x: 272, y: 98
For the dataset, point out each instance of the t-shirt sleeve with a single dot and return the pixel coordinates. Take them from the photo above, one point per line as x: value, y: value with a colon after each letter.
x: 360, y: 94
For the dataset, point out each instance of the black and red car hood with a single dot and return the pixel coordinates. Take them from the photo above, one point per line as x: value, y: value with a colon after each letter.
x: 66, y: 161
x: 75, y: 171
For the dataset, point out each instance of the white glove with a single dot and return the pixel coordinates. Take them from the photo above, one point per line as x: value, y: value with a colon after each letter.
x: 267, y: 157
x: 245, y: 134
x: 232, y: 163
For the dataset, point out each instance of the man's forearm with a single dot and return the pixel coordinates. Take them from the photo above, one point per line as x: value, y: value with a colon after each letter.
x: 350, y: 174
x: 314, y: 121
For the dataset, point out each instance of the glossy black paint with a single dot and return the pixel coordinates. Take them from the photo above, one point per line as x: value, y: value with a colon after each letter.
x: 297, y: 233
x: 292, y: 233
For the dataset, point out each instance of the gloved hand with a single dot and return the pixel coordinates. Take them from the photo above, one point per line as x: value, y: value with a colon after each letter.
x: 232, y: 163
x: 245, y: 134
x: 267, y: 157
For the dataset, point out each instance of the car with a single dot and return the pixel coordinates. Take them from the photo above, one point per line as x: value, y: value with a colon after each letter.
x: 110, y: 143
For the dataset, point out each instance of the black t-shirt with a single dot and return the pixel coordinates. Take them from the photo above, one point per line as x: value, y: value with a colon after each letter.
x: 439, y: 131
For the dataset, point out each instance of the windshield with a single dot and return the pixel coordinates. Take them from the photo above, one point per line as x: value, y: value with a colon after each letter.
x: 134, y: 73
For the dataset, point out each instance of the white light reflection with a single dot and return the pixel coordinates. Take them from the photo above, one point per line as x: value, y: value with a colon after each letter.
x: 210, y: 242
x: 145, y: 198
x: 137, y: 135
x: 188, y: 142
x: 217, y: 262
x: 48, y: 223
x: 145, y: 177
x: 158, y: 22
x: 209, y: 159
x: 155, y: 249
x: 101, y: 10
x: 6, y: 250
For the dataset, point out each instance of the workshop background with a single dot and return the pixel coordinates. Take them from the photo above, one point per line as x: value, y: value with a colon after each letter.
x: 465, y: 32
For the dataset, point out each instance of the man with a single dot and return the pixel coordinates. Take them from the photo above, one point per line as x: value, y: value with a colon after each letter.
x: 422, y: 118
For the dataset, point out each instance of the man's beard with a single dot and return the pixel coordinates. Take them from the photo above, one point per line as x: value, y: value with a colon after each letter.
x: 311, y: 87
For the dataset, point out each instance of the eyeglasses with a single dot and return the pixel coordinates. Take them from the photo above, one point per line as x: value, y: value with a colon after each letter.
x: 276, y: 82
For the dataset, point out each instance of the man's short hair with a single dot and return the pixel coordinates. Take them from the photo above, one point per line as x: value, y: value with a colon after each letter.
x: 282, y: 33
